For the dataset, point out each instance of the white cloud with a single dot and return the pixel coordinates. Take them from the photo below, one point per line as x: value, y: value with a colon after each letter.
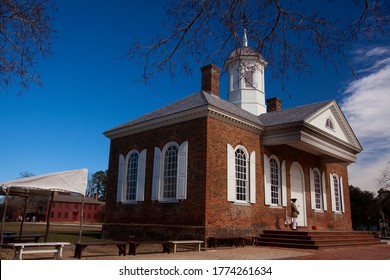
x: 367, y: 107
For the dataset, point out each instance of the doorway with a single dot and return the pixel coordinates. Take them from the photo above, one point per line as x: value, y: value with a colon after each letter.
x: 297, y: 180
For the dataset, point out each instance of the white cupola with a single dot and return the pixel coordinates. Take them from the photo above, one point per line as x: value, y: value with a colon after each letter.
x: 245, y: 68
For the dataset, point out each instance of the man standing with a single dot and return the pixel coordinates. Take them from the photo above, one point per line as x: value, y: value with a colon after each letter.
x: 294, y: 214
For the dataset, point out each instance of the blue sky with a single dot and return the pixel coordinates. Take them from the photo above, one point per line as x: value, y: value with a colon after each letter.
x: 88, y: 90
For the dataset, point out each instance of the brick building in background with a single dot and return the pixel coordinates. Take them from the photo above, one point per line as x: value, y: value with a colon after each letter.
x: 67, y: 208
x: 204, y: 166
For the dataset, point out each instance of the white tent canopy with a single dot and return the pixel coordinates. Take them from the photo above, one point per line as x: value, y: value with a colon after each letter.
x: 74, y: 181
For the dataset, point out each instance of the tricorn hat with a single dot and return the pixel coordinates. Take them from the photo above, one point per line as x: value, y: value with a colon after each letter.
x: 293, y: 199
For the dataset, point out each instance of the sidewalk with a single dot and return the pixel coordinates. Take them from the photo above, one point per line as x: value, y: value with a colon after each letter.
x: 373, y: 252
x: 376, y: 252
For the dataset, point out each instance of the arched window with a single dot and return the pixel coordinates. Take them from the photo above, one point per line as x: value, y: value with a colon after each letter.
x: 170, y: 172
x: 317, y: 190
x: 131, y: 177
x: 241, y: 175
x: 132, y: 172
x: 337, y: 193
x: 336, y: 185
x: 329, y: 124
x: 275, y: 182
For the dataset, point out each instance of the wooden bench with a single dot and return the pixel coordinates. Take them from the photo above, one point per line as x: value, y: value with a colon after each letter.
x: 133, y: 245
x: 38, y: 248
x: 80, y: 246
x: 194, y: 244
x: 252, y: 239
x: 13, y: 238
x: 236, y: 241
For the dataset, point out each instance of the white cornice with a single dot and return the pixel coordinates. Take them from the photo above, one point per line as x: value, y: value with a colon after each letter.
x: 307, y: 138
x: 202, y: 111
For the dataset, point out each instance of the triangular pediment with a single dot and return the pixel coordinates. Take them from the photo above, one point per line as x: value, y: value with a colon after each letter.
x: 331, y: 120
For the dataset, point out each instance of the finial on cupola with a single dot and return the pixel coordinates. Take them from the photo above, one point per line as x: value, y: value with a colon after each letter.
x: 245, y: 40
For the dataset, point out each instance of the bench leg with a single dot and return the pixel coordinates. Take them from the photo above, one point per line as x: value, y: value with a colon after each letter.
x: 18, y: 253
x: 78, y: 250
x: 58, y: 254
x: 133, y: 248
x: 122, y: 249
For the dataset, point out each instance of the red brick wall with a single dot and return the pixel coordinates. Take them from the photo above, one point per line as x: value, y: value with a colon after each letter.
x: 222, y: 216
x: 206, y: 211
x: 326, y: 220
x: 185, y: 217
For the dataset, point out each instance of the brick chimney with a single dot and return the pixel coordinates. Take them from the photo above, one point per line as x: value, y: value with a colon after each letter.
x: 274, y: 104
x: 210, y: 79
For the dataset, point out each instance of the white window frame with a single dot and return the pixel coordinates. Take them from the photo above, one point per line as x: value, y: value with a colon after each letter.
x: 250, y: 195
x: 282, y: 186
x: 313, y: 190
x: 122, y: 177
x: 158, y: 173
x: 337, y: 197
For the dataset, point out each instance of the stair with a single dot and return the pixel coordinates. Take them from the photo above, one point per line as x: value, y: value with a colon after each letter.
x: 316, y: 239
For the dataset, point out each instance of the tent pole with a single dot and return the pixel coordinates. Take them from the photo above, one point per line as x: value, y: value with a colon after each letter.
x: 81, y: 218
x: 4, y: 214
x: 48, y: 216
x: 24, y: 217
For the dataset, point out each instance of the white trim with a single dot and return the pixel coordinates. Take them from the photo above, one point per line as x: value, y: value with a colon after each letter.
x: 121, y: 167
x: 182, y: 162
x: 312, y: 190
x: 231, y: 175
x: 140, y: 192
x: 324, y: 196
x: 341, y: 194
x: 156, y: 174
x: 283, y: 183
x: 252, y: 177
x: 267, y: 181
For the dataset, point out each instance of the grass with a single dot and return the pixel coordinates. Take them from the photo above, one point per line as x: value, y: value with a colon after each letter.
x: 59, y: 232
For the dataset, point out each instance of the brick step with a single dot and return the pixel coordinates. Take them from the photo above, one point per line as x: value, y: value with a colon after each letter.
x: 319, y: 242
x: 315, y: 239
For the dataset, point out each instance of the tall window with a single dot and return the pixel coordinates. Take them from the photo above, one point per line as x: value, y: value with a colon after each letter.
x: 275, y: 186
x: 336, y: 190
x: 318, y: 190
x: 131, y: 177
x: 241, y: 175
x: 337, y: 193
x: 275, y: 182
x: 170, y: 172
x: 132, y: 170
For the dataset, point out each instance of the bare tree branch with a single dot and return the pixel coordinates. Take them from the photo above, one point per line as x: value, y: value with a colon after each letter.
x: 286, y: 33
x: 26, y: 35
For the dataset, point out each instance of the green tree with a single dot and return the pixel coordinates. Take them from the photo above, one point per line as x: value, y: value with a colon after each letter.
x: 286, y: 33
x: 364, y: 208
x: 26, y: 35
x: 97, y: 184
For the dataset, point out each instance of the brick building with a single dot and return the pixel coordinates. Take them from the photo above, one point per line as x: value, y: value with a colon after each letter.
x: 67, y: 208
x: 204, y: 166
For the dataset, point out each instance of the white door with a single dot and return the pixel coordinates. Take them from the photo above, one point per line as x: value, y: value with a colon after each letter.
x: 298, y: 191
